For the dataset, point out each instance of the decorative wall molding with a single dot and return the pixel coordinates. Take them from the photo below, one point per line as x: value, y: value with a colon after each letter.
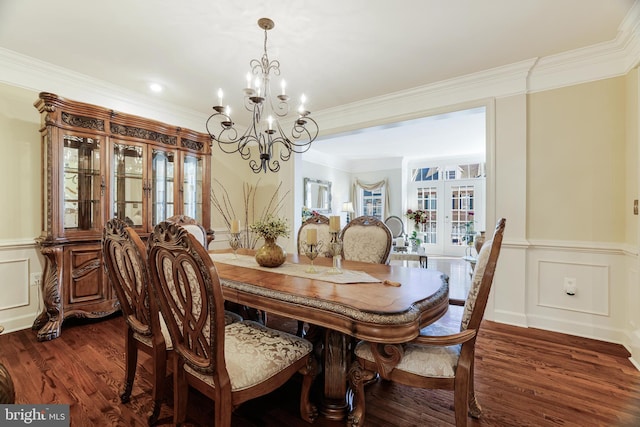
x: 33, y: 74
x: 609, y: 248
x: 604, y: 60
x: 18, y: 244
x: 15, y: 271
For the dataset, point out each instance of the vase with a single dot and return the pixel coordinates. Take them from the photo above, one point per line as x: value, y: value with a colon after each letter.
x: 270, y: 254
x: 479, y: 241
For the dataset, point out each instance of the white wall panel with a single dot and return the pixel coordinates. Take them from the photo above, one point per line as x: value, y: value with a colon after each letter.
x: 15, y: 283
x: 592, y: 286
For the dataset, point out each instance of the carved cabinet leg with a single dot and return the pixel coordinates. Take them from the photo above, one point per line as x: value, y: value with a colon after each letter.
x: 49, y: 321
x: 336, y: 359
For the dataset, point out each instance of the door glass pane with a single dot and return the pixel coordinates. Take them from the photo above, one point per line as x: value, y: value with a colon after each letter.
x: 462, y: 221
x: 82, y: 183
x: 192, y: 187
x: 128, y: 190
x: 428, y: 203
x: 162, y: 186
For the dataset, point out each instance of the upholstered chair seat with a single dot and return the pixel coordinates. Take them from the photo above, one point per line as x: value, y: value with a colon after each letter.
x: 268, y: 352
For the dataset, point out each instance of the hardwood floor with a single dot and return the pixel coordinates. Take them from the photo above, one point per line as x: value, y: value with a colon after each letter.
x: 524, y: 377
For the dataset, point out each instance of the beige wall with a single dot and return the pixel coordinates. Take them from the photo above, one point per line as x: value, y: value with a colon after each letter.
x: 19, y: 164
x: 231, y: 172
x: 576, y: 162
x: 631, y: 157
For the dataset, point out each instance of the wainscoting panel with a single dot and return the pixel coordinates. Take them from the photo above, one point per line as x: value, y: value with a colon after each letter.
x: 15, y: 278
x: 591, y: 281
x: 19, y: 301
x: 599, y: 309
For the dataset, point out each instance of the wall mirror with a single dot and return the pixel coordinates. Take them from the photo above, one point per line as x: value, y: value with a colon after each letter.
x: 317, y: 195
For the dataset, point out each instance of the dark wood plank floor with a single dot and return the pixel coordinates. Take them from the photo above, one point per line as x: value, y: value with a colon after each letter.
x: 524, y: 377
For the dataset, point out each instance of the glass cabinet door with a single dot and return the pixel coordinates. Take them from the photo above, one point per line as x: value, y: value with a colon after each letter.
x: 192, y: 176
x: 83, y: 185
x: 162, y: 185
x: 128, y: 189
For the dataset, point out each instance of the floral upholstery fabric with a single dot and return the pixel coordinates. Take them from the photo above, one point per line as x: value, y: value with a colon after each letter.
x: 254, y: 353
x: 476, y: 280
x: 424, y: 360
x: 366, y: 244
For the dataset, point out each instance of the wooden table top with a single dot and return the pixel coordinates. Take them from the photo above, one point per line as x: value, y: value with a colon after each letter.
x: 371, y: 311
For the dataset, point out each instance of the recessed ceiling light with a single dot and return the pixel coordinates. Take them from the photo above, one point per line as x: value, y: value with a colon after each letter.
x: 155, y: 87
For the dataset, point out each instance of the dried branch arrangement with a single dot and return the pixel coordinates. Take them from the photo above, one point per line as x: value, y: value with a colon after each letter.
x: 222, y: 203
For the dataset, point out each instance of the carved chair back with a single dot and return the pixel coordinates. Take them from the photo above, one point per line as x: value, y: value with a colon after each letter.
x: 124, y: 257
x: 186, y: 284
x: 192, y: 226
x: 320, y: 223
x: 125, y: 264
x: 366, y: 239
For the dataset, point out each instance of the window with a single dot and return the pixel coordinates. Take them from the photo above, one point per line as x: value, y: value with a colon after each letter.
x: 472, y: 170
x: 372, y: 202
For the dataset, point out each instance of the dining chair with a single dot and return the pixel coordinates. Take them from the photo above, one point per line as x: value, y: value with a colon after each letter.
x: 192, y: 226
x: 199, y: 232
x: 440, y: 357
x: 396, y: 226
x: 320, y: 223
x: 366, y: 239
x: 229, y: 364
x: 124, y: 258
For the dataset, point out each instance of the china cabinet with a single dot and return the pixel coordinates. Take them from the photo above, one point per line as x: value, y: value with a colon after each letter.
x: 98, y: 164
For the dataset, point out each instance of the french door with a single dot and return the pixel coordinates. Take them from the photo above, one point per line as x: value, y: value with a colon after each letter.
x: 454, y: 214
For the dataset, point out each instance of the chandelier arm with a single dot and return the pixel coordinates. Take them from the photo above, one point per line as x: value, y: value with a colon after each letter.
x: 257, y: 137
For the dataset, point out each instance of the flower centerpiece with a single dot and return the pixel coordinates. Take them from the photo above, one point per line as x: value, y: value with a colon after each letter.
x: 270, y: 228
x: 418, y: 217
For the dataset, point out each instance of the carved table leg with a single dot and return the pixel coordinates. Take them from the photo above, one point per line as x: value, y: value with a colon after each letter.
x: 336, y: 360
x: 49, y: 321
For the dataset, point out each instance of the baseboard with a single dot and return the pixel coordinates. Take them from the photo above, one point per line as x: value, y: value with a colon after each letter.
x: 18, y: 323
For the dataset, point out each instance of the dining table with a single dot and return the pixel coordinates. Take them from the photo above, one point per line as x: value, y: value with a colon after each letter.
x: 373, y: 302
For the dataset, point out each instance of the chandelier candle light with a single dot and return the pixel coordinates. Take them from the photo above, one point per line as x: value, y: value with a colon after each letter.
x: 265, y: 130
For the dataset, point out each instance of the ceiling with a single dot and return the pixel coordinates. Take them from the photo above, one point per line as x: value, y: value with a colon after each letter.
x: 336, y: 52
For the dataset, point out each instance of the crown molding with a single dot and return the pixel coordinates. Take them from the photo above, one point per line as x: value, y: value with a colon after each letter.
x: 33, y: 74
x: 601, y: 61
x: 423, y: 100
x: 604, y: 60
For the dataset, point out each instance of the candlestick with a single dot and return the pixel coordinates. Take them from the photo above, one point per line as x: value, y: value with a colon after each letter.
x: 234, y: 243
x: 335, y: 249
x: 311, y: 250
x: 235, y: 226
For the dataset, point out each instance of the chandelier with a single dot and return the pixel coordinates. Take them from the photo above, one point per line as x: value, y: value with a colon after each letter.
x: 265, y: 132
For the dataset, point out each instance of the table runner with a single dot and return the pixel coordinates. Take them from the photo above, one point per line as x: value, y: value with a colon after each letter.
x: 298, y: 270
